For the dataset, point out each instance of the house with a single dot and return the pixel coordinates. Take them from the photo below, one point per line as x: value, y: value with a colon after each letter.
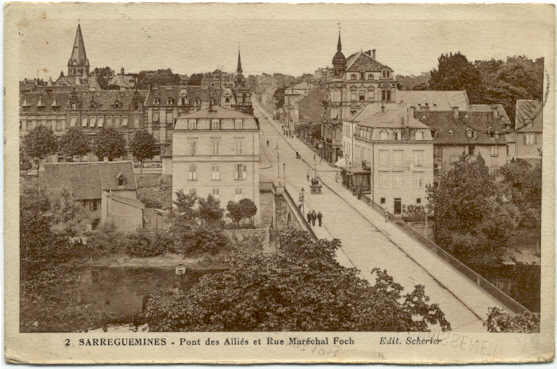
x: 354, y: 82
x: 215, y: 151
x: 389, y: 156
x: 310, y: 113
x: 108, y: 189
x: 529, y: 129
x: 480, y: 130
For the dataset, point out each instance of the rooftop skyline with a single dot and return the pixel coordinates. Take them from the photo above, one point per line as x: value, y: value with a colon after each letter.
x: 277, y: 44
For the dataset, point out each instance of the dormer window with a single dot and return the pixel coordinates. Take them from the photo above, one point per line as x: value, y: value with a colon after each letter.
x: 25, y: 103
x: 386, y: 74
x: 156, y: 101
x: 183, y: 100
x: 451, y: 132
x: 170, y: 101
x: 117, y: 104
x: 54, y: 103
x: 40, y: 102
x: 469, y: 133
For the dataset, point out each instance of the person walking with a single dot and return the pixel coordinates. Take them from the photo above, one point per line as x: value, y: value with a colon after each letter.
x: 319, y: 218
x: 309, y: 217
x: 307, y: 176
x: 267, y: 143
x: 313, y: 217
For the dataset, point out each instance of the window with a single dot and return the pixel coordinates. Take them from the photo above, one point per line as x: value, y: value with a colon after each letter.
x: 100, y: 122
x: 192, y: 173
x: 108, y: 122
x: 170, y: 101
x: 530, y: 139
x: 215, y: 173
x: 240, y: 172
x: 59, y: 125
x: 370, y: 76
x: 136, y: 121
x: 192, y: 124
x: 384, y: 180
x: 238, y: 146
x: 193, y: 147
x: 92, y: 121
x: 215, y: 143
x: 418, y: 201
x: 383, y: 135
x: 169, y: 117
x: 420, y: 135
x: 156, y: 116
x: 362, y: 96
x: 493, y: 151
x: 84, y: 121
x: 216, y: 193
x: 384, y: 158
x: 183, y: 101
x: 73, y: 122
x: 382, y: 201
x: 386, y: 74
x: 353, y: 76
x: 397, y: 181
x: 156, y: 101
x: 419, y: 182
x: 397, y: 158
x: 124, y: 121
x: 353, y: 96
x: 419, y: 158
x: 386, y: 95
x: 215, y: 124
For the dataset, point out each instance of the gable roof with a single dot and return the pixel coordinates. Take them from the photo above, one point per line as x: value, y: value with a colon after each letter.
x: 362, y: 62
x: 455, y: 131
x: 193, y: 93
x: 393, y: 116
x: 86, y: 180
x: 529, y: 116
x: 435, y: 100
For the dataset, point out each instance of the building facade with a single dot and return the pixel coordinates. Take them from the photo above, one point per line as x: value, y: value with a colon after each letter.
x: 215, y: 151
x: 355, y: 82
x: 529, y: 129
x: 389, y: 155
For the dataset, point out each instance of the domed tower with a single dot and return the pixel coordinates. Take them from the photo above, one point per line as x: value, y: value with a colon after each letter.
x: 339, y: 60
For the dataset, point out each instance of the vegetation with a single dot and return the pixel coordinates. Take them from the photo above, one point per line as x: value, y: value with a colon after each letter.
x: 499, y: 321
x: 103, y: 76
x: 160, y: 77
x: 39, y: 143
x: 143, y: 146
x: 110, y: 144
x: 73, y: 143
x: 243, y: 209
x: 302, y: 288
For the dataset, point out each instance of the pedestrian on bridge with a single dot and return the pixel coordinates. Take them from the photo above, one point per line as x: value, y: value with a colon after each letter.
x: 309, y: 217
x: 319, y: 218
x: 313, y: 217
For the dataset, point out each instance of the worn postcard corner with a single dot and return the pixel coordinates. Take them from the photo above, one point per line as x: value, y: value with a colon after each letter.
x: 278, y: 183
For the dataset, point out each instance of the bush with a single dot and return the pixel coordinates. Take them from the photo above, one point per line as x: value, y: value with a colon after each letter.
x: 499, y: 321
x: 145, y: 244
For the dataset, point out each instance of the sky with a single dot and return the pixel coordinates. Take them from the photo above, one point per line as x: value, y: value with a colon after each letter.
x: 273, y: 39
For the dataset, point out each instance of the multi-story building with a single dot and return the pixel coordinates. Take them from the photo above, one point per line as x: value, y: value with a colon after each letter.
x: 529, y: 129
x: 355, y: 82
x: 389, y: 155
x: 215, y: 151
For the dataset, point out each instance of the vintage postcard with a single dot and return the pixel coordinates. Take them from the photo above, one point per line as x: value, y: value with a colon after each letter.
x: 279, y: 183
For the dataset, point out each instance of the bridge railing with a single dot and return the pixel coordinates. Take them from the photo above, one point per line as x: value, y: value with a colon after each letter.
x: 296, y: 209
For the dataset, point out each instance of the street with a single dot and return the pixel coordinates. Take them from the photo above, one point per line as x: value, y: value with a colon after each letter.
x: 367, y: 241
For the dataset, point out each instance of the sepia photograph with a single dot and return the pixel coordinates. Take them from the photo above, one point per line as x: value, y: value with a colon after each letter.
x: 347, y: 179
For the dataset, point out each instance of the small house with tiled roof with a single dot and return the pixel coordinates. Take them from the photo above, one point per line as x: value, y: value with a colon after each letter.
x: 105, y: 188
x: 529, y: 129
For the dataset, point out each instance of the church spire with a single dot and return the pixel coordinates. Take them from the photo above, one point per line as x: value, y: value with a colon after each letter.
x: 339, y: 43
x: 78, y: 64
x: 239, y: 66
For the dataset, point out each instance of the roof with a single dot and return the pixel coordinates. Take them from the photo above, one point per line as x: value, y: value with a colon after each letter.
x: 102, y: 99
x: 393, y: 116
x: 192, y: 93
x: 310, y: 108
x: 529, y: 116
x: 86, y: 180
x: 490, y: 108
x: 127, y: 201
x: 435, y: 100
x: 468, y: 128
x: 217, y: 113
x: 78, y: 56
x: 362, y: 62
x: 123, y: 80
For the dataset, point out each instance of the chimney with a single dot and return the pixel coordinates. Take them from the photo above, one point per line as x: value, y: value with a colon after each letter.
x: 455, y: 112
x: 373, y: 53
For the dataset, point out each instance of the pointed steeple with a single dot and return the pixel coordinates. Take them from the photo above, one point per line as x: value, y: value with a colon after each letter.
x: 78, y: 64
x: 239, y: 66
x: 339, y: 43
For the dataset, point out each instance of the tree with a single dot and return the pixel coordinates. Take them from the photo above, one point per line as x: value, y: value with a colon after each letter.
x: 471, y: 219
x: 143, y: 146
x: 455, y: 72
x: 39, y: 142
x: 234, y: 212
x: 499, y: 321
x: 293, y: 291
x: 103, y: 76
x: 110, y: 144
x: 248, y: 209
x: 210, y: 211
x: 74, y: 142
